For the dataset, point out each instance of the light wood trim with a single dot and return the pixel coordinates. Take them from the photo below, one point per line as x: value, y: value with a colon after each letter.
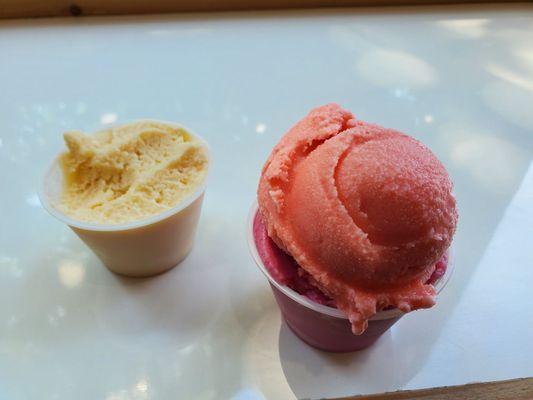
x: 516, y: 389
x: 48, y: 8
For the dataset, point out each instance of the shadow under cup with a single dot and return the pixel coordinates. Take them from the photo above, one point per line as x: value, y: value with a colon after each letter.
x: 324, y: 327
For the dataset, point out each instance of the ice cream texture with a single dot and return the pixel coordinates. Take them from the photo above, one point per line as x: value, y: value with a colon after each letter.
x: 285, y: 270
x: 366, y: 211
x: 130, y: 172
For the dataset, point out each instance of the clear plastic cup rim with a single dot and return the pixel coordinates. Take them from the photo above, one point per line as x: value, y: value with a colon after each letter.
x: 54, y: 211
x: 330, y: 311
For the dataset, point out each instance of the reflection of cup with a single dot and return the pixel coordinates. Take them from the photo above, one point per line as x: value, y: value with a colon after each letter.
x: 323, y: 327
x: 140, y: 248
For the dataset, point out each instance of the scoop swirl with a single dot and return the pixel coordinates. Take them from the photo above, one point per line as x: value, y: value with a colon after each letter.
x: 367, y: 211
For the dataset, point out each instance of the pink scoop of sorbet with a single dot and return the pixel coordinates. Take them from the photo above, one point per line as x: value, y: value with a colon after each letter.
x: 366, y: 211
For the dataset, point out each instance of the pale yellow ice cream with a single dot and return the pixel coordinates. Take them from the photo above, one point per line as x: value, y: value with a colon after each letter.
x: 130, y: 172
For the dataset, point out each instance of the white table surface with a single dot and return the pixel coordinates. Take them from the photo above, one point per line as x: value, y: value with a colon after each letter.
x: 460, y: 79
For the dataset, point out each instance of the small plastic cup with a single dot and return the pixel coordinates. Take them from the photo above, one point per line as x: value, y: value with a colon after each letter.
x: 140, y: 248
x: 324, y: 327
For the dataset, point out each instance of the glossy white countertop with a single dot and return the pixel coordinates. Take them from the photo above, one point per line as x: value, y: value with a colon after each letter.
x: 460, y: 79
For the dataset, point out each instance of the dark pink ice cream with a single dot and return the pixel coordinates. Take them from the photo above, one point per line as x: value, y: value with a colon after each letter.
x: 285, y: 270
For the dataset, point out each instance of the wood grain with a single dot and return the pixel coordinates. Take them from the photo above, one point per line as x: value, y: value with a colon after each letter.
x: 517, y: 389
x: 49, y: 8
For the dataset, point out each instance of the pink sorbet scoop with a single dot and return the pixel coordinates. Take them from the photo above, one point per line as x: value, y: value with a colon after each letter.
x: 366, y: 211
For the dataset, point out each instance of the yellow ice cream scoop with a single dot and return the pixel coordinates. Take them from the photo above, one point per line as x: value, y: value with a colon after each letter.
x: 130, y: 172
x: 133, y: 193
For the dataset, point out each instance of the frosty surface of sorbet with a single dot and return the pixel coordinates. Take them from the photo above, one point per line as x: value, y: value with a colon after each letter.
x: 366, y: 211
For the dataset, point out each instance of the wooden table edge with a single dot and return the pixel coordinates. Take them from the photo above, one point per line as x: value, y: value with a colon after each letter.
x: 514, y: 389
x: 62, y: 8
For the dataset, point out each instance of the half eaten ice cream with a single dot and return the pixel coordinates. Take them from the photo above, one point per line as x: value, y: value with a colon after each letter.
x: 367, y: 212
x: 130, y: 172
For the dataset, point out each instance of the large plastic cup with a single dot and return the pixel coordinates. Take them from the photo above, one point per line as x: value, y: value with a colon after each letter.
x: 140, y: 248
x: 324, y: 327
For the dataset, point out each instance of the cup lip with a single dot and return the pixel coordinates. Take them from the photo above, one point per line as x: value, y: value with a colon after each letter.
x: 330, y: 311
x: 140, y: 223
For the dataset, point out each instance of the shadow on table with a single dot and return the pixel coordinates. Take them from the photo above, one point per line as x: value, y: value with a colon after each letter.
x: 313, y: 373
x: 180, y: 306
